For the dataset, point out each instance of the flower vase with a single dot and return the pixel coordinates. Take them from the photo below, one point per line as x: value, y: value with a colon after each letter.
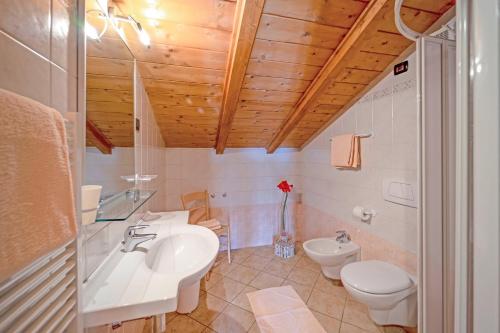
x: 284, y: 244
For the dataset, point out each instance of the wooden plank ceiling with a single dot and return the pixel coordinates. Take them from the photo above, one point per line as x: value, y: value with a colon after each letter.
x: 185, y: 69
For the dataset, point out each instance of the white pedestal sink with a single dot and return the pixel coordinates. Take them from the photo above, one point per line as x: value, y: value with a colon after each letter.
x: 181, y: 254
x: 162, y: 275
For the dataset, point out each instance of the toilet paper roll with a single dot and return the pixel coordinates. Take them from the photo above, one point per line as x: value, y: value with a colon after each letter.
x: 358, y: 211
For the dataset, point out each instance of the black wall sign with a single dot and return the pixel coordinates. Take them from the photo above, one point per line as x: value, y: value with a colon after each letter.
x: 401, y: 67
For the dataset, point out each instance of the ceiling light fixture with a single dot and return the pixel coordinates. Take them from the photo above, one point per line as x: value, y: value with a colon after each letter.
x: 90, y: 30
x: 143, y: 35
x: 115, y: 20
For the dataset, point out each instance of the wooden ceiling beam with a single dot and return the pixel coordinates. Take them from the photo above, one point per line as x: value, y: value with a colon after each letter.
x: 246, y: 22
x: 444, y: 19
x: 97, y: 137
x: 333, y: 66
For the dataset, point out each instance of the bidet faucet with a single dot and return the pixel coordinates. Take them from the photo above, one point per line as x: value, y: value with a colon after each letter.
x: 131, y: 239
x: 343, y: 236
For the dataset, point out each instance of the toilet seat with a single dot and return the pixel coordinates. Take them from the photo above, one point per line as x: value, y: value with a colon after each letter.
x: 389, y: 292
x: 376, y: 277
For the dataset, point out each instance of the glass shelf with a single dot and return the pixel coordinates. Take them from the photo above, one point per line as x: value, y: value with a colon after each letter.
x: 122, y: 205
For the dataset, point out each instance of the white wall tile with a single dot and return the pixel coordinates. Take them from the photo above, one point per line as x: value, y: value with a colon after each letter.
x: 29, y: 23
x: 248, y: 176
x: 389, y: 112
x: 22, y: 71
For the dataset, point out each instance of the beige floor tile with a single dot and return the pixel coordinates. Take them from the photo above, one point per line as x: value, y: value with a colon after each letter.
x: 290, y: 261
x: 208, y: 309
x: 233, y: 320
x: 226, y: 289
x: 264, y: 280
x: 356, y: 314
x: 299, y: 250
x: 243, y: 274
x: 222, y: 255
x: 242, y: 300
x: 239, y: 255
x: 396, y: 329
x: 346, y: 328
x: 255, y: 328
x: 303, y: 290
x: 305, y: 262
x: 331, y: 325
x: 264, y: 251
x: 223, y: 267
x: 256, y: 262
x: 326, y: 304
x: 330, y: 286
x: 214, y: 278
x: 208, y: 330
x: 303, y: 276
x: 184, y: 324
x: 278, y: 268
x: 170, y: 316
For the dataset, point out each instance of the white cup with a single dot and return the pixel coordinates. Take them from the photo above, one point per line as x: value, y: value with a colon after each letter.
x: 90, y: 201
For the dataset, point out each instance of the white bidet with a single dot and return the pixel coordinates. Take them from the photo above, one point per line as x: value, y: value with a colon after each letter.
x: 332, y: 254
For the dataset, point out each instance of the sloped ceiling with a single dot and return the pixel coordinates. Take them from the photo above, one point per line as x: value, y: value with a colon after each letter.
x: 185, y: 69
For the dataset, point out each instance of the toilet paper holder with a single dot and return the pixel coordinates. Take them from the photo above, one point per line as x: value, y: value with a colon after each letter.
x: 364, y: 214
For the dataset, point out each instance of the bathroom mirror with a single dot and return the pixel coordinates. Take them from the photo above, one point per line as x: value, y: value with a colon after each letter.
x: 109, y: 108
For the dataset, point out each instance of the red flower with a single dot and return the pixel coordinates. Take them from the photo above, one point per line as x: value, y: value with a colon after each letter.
x: 285, y: 187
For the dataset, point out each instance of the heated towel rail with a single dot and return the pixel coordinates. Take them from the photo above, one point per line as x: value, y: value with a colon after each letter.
x: 42, y: 297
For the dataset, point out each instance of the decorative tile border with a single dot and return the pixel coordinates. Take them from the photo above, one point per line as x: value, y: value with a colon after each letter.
x: 382, y: 93
x: 395, y: 89
x: 365, y: 99
x: 312, y: 223
x: 402, y: 86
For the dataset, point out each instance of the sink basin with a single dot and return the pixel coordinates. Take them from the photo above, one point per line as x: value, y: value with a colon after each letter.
x: 162, y: 275
x: 331, y: 254
x: 186, y: 254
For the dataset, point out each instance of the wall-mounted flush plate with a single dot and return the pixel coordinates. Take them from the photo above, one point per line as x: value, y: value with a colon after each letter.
x: 400, y: 191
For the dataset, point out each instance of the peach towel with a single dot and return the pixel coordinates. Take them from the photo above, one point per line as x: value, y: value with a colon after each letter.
x: 211, y: 224
x: 345, y: 151
x: 281, y: 310
x: 37, y: 212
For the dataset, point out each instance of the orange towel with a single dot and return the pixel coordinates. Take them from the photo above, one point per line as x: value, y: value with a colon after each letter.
x: 345, y: 151
x: 37, y: 212
x: 355, y: 153
x: 281, y: 310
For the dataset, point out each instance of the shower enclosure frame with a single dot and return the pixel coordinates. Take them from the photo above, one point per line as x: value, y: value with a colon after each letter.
x: 436, y: 81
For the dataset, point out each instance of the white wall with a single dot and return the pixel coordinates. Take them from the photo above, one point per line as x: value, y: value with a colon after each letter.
x: 389, y: 113
x: 149, y: 149
x: 106, y: 169
x: 248, y: 176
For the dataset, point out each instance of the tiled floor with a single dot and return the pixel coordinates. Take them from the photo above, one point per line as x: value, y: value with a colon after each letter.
x: 224, y: 307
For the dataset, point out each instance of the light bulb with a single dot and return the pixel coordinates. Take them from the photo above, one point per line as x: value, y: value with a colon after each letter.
x: 103, y: 4
x: 144, y: 37
x: 90, y: 31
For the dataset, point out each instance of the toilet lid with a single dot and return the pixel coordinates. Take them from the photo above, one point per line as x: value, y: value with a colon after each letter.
x: 375, y: 277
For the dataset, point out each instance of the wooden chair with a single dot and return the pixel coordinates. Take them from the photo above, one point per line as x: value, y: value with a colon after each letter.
x: 199, y: 210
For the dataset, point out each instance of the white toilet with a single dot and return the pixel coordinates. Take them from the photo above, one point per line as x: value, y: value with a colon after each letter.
x: 332, y: 254
x: 389, y: 292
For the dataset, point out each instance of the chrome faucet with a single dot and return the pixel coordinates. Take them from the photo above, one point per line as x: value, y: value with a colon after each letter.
x: 131, y: 239
x: 343, y: 236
